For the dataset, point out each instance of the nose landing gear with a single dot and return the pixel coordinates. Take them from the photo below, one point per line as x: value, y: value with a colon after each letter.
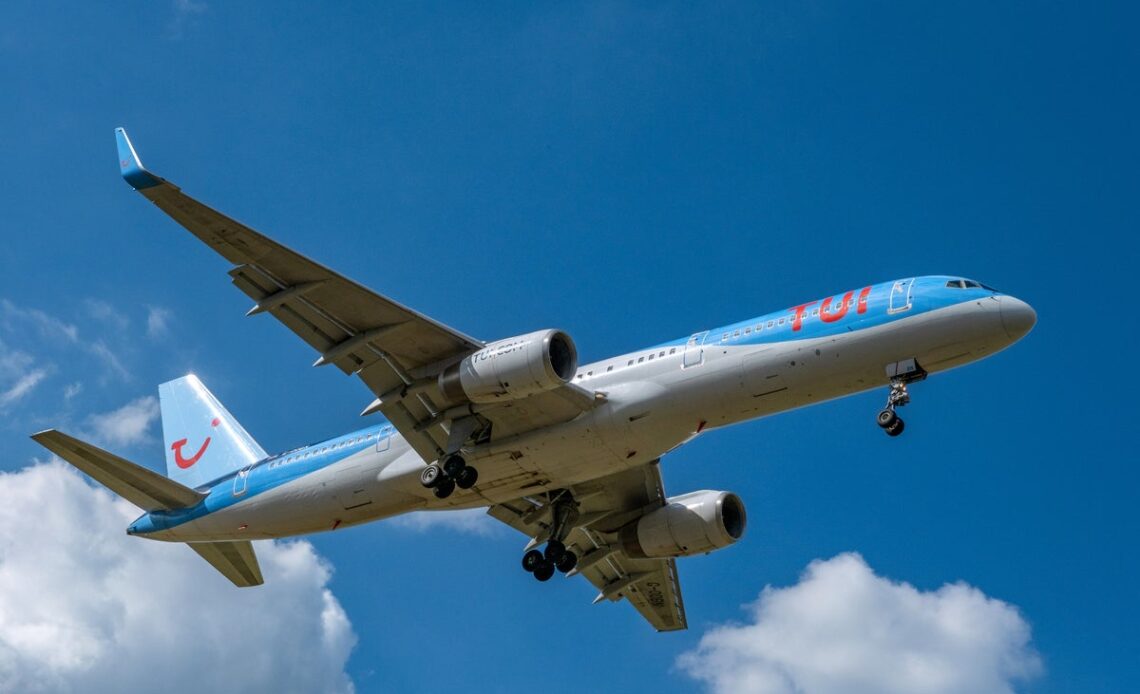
x: 443, y: 479
x: 900, y: 373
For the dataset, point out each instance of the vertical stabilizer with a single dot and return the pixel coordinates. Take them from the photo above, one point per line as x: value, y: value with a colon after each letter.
x: 202, y: 439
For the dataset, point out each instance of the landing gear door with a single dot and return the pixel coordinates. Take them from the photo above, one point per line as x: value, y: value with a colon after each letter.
x: 900, y: 296
x: 695, y: 350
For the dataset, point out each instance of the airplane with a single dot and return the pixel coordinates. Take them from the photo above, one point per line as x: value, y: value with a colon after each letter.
x: 567, y: 454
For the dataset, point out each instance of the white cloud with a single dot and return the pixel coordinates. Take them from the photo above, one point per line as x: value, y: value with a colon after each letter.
x: 85, y: 608
x: 18, y: 376
x: 185, y: 12
x: 101, y: 350
x: 844, y: 629
x: 72, y: 390
x: 472, y: 521
x: 21, y: 387
x: 127, y: 425
x: 48, y: 326
x: 157, y: 321
x: 106, y: 314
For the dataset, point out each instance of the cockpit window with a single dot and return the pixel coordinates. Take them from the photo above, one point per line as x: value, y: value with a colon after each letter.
x: 968, y: 284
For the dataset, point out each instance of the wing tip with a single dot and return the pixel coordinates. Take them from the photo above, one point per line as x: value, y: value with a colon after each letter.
x: 129, y: 164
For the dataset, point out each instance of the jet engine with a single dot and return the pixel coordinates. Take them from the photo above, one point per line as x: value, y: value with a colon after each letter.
x: 513, y: 368
x: 693, y: 523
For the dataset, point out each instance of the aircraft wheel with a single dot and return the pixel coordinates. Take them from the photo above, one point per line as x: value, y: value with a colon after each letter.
x: 467, y: 477
x: 566, y: 562
x: 544, y: 570
x: 896, y: 428
x: 444, y: 488
x: 454, y: 465
x: 531, y: 560
x: 887, y: 418
x: 431, y: 475
x: 554, y: 551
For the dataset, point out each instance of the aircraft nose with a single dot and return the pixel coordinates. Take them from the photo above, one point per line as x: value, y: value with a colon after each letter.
x: 1017, y: 317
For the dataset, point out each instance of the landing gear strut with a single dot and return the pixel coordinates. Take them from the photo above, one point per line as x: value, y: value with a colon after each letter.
x: 564, y: 512
x: 444, y: 478
x: 900, y: 374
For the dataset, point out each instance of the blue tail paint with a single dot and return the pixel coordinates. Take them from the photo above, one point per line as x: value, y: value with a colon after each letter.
x: 203, y: 440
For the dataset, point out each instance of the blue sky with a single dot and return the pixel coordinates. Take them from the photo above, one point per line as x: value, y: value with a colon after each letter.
x: 629, y: 173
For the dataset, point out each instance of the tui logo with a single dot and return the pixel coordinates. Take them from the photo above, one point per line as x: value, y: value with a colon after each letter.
x: 184, y: 462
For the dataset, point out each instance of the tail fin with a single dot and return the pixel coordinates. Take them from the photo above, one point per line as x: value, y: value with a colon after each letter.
x: 203, y: 440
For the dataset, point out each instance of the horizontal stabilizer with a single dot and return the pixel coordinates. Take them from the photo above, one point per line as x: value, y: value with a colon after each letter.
x: 144, y: 488
x: 235, y: 560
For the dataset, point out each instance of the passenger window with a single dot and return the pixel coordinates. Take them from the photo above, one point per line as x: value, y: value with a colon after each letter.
x: 724, y: 337
x: 640, y: 359
x: 662, y: 353
x: 781, y: 321
x: 673, y: 351
x: 748, y: 330
x: 771, y: 323
x: 650, y: 357
x: 630, y: 363
x: 815, y: 312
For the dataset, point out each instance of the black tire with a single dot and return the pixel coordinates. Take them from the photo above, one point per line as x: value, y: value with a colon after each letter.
x: 431, y: 476
x: 887, y: 418
x: 444, y: 488
x: 467, y: 477
x: 544, y: 570
x: 454, y: 465
x: 531, y: 560
x: 567, y: 562
x: 896, y: 428
x: 554, y: 551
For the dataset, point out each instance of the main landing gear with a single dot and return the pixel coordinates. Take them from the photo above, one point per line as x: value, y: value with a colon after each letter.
x: 556, y: 556
x: 443, y: 479
x: 900, y: 373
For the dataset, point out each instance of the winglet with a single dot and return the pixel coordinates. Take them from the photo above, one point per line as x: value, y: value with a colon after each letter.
x: 130, y: 166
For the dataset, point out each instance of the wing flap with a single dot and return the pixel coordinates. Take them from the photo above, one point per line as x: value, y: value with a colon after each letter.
x: 142, y: 487
x: 234, y: 560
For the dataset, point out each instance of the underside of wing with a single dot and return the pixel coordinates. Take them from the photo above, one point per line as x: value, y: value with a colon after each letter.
x: 397, y: 352
x: 604, y: 507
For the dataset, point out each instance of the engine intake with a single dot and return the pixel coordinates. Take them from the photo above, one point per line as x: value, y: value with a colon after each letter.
x: 693, y: 523
x: 513, y: 368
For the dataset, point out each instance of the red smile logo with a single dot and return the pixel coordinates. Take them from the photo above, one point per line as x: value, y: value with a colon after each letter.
x: 183, y: 462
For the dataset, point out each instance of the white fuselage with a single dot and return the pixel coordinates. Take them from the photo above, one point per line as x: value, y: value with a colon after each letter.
x: 650, y: 408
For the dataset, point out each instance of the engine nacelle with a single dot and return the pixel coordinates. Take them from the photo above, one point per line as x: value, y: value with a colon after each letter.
x: 693, y: 523
x: 513, y: 368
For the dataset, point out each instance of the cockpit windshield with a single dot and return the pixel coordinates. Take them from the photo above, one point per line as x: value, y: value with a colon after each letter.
x: 968, y: 284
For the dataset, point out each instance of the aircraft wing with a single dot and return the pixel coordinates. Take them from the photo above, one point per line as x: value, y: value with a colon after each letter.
x: 605, y: 506
x: 391, y: 347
